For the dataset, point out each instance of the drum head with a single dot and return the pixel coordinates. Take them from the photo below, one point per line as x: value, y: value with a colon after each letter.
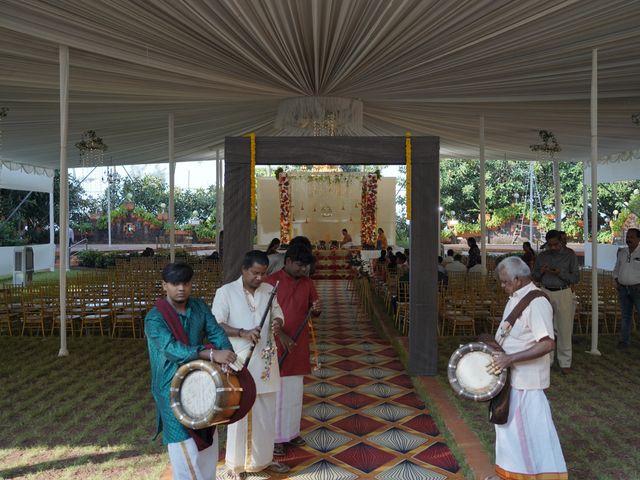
x: 198, y: 394
x: 468, y: 375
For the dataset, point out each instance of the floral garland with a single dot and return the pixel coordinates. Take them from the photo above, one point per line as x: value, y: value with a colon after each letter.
x: 407, y: 155
x: 368, y: 209
x: 252, y: 138
x: 285, y: 207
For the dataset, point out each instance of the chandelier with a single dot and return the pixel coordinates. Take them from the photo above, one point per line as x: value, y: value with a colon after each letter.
x: 319, y: 116
x: 91, y: 149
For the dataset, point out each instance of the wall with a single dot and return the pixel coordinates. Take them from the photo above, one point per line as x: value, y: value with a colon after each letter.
x: 312, y: 224
x: 43, y: 257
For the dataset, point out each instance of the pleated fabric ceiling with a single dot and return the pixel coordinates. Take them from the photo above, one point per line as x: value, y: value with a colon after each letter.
x: 225, y: 67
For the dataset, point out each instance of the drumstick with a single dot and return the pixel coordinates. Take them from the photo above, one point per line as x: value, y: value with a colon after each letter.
x: 296, y: 334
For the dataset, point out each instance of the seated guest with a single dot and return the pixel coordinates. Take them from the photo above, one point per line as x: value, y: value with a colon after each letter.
x: 477, y: 268
x: 443, y: 278
x: 392, y: 261
x: 148, y: 252
x: 449, y: 258
x: 334, y: 245
x: 402, y: 266
x: 273, y: 246
x: 456, y: 265
x: 322, y: 245
x: 347, y: 241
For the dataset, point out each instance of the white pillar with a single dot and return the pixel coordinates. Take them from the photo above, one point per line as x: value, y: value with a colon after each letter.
x: 585, y: 201
x: 532, y: 177
x: 64, y: 195
x: 52, y: 233
x: 172, y: 175
x: 594, y: 203
x: 556, y: 187
x: 483, y: 201
x: 218, y: 198
x: 109, y: 204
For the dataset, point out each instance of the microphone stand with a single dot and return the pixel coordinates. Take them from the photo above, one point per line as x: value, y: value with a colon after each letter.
x: 264, y: 317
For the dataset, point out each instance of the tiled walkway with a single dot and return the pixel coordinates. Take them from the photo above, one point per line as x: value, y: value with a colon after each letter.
x: 361, y: 417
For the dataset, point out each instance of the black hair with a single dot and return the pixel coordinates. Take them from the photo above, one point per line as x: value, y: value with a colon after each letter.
x: 301, y: 239
x: 439, y: 259
x: 299, y: 253
x: 457, y: 257
x: 253, y: 257
x: 636, y: 230
x: 273, y: 245
x: 177, y: 273
x: 450, y: 252
x: 553, y: 234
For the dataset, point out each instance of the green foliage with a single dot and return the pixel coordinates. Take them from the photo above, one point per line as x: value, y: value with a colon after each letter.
x: 618, y: 222
x: 277, y: 172
x: 205, y: 231
x: 605, y: 236
x: 88, y: 258
x: 500, y: 216
x: 463, y: 228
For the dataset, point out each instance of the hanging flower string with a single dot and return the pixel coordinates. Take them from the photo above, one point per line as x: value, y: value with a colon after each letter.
x: 407, y: 155
x: 285, y: 207
x: 369, y: 205
x: 252, y: 138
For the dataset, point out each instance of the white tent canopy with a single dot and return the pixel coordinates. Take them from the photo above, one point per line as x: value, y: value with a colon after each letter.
x: 222, y: 67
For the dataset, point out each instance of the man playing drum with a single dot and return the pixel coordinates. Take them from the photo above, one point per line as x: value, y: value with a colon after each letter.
x: 296, y: 295
x: 527, y: 446
x: 191, y: 456
x: 239, y: 306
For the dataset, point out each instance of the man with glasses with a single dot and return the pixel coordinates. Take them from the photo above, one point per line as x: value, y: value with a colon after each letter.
x: 626, y: 274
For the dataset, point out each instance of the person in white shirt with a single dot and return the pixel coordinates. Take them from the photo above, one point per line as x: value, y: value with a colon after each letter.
x: 238, y: 307
x: 456, y: 265
x: 527, y: 446
x: 626, y: 274
x: 449, y: 258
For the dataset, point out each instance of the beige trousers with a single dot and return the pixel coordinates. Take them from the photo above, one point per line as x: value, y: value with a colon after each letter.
x: 564, y: 309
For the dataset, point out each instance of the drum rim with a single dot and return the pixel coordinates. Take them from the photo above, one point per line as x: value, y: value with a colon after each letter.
x: 453, y: 379
x: 174, y: 393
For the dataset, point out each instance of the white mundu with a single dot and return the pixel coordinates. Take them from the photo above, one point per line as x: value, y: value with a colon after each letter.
x: 250, y: 440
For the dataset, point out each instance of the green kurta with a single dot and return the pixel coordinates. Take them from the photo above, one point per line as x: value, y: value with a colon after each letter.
x: 166, y: 355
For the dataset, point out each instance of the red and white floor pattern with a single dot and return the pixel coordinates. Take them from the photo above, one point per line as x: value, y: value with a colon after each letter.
x: 361, y: 417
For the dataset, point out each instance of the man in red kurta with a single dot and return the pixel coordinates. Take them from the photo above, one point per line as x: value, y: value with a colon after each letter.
x: 297, y: 297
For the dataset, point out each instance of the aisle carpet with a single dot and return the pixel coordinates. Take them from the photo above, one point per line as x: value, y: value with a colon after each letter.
x: 361, y: 417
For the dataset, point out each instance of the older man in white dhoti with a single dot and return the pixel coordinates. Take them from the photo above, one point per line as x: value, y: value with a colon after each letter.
x: 238, y: 307
x: 527, y: 446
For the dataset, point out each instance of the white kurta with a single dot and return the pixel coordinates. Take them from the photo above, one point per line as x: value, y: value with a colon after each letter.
x: 250, y: 440
x: 528, y: 444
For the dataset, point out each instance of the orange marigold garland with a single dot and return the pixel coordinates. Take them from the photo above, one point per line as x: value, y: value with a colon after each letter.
x: 407, y: 155
x: 252, y: 138
x: 368, y: 209
x: 285, y: 207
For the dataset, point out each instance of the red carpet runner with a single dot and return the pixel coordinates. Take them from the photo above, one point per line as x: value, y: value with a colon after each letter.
x: 361, y: 418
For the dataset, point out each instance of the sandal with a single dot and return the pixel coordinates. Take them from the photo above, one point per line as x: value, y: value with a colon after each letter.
x: 278, y: 449
x: 277, y: 467
x: 298, y: 441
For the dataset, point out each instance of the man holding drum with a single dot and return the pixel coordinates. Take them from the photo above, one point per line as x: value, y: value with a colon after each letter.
x: 527, y: 446
x: 298, y: 297
x: 191, y: 453
x: 240, y: 306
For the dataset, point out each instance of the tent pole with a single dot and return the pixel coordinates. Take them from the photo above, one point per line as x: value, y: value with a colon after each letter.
x: 594, y: 203
x: 483, y: 201
x: 556, y: 187
x: 64, y: 195
x: 218, y: 199
x: 52, y: 234
x: 531, y: 180
x: 172, y: 176
x: 585, y: 201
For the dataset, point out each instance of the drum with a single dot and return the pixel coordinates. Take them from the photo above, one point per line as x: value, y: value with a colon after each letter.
x: 203, y: 396
x: 468, y: 374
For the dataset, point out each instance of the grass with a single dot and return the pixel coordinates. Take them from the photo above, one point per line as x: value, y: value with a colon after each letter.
x: 88, y: 415
x: 47, y: 276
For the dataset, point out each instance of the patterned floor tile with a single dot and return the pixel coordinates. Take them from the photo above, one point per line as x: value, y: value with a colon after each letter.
x: 439, y: 455
x: 364, y: 457
x: 351, y: 381
x: 424, y: 424
x: 388, y: 412
x: 323, y: 389
x: 325, y: 440
x: 323, y: 411
x: 406, y: 470
x: 323, y: 470
x: 354, y: 400
x: 358, y: 424
x: 347, y: 365
x: 381, y: 390
x: 411, y: 400
x: 398, y: 440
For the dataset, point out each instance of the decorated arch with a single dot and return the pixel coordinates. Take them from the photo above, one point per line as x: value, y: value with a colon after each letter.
x: 423, y: 153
